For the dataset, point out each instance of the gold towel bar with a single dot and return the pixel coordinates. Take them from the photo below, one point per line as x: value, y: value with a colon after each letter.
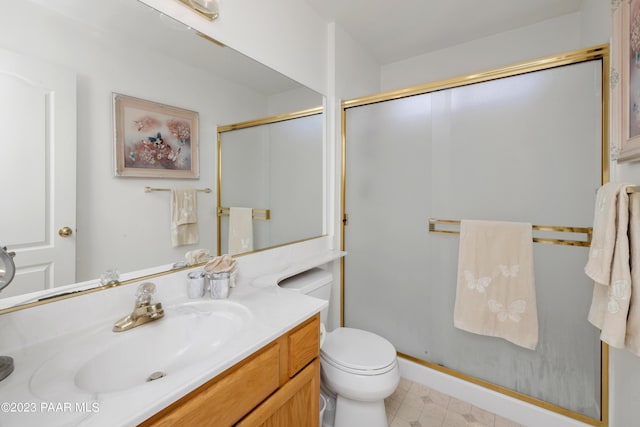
x: 560, y: 229
x: 259, y: 214
x: 633, y: 190
x: 150, y: 189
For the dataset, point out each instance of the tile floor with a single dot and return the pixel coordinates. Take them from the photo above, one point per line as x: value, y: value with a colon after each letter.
x: 414, y: 405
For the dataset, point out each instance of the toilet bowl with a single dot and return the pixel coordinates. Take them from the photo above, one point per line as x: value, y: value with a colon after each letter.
x: 359, y: 367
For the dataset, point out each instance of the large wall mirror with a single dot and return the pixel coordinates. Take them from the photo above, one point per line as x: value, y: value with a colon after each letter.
x: 61, y: 61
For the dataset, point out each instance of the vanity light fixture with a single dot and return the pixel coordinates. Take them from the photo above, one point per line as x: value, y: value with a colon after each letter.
x: 206, y: 8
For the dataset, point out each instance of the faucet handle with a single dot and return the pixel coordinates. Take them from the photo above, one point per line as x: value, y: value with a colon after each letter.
x: 145, y: 293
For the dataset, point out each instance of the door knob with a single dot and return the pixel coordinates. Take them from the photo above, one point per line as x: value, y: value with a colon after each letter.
x: 65, y: 232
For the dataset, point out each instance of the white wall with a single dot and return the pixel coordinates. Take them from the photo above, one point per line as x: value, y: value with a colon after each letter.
x: 595, y: 25
x: 357, y: 73
x: 293, y: 100
x: 535, y: 41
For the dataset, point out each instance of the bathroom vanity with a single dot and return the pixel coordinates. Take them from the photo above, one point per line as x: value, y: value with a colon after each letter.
x: 278, y: 385
x: 251, y: 359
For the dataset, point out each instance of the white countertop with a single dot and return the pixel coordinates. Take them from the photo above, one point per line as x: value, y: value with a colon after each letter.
x: 37, y: 335
x: 273, y: 312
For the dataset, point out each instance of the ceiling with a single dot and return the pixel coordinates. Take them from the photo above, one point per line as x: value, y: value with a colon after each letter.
x: 395, y: 30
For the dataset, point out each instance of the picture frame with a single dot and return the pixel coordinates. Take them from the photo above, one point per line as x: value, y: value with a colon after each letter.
x: 154, y: 140
x: 625, y: 80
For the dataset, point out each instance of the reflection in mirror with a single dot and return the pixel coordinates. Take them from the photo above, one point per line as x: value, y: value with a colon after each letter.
x: 64, y: 59
x: 7, y: 268
x: 272, y: 169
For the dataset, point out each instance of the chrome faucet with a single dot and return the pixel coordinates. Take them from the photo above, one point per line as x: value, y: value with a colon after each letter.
x: 143, y: 312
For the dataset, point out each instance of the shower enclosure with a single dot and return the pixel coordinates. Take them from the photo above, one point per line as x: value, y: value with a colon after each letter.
x: 524, y: 143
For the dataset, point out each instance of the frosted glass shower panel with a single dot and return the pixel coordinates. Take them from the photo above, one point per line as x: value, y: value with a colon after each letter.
x: 525, y: 148
x: 276, y: 166
x: 389, y: 197
x: 295, y: 179
x: 245, y: 177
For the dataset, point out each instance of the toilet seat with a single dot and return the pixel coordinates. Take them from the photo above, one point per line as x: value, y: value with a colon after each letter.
x: 358, y: 352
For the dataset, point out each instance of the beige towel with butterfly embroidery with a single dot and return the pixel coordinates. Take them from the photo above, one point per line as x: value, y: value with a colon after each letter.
x: 495, y: 294
x: 184, y: 217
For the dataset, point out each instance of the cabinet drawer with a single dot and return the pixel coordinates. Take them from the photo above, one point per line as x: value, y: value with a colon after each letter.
x: 227, y: 400
x: 304, y: 345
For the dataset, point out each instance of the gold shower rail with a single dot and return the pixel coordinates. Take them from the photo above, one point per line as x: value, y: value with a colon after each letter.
x: 200, y: 190
x: 554, y: 228
x: 259, y: 214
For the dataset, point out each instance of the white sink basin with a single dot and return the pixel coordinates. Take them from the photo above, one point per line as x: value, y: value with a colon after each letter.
x: 106, y: 362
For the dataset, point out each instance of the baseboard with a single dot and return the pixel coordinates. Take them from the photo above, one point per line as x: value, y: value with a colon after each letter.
x: 521, y: 412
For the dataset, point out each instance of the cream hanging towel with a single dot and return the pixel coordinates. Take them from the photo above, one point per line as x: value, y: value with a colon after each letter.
x: 240, y: 230
x: 632, y: 335
x: 614, y: 261
x: 495, y: 294
x: 184, y: 217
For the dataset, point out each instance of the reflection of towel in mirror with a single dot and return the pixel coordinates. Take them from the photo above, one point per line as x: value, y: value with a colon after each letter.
x: 197, y: 256
x: 240, y: 230
x: 495, y: 295
x: 184, y: 217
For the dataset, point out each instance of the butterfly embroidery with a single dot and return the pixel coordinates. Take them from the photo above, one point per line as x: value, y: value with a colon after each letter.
x: 479, y: 285
x: 619, y: 291
x: 511, y: 271
x: 512, y: 312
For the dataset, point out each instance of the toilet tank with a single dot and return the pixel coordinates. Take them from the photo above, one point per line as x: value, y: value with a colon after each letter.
x: 315, y: 282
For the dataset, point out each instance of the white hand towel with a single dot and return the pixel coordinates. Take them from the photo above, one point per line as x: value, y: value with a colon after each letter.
x: 604, y: 235
x: 240, y: 230
x: 608, y: 264
x: 184, y: 217
x: 495, y: 294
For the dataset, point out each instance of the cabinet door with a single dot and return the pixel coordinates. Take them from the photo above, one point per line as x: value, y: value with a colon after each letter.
x: 294, y: 404
x: 304, y: 345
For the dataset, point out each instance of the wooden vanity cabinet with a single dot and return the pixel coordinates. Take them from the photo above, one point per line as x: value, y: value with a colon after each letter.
x: 277, y: 386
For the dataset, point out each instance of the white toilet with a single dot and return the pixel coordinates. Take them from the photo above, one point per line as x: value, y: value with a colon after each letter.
x: 360, y: 368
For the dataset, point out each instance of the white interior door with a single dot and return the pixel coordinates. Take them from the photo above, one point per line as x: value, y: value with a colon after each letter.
x: 37, y: 171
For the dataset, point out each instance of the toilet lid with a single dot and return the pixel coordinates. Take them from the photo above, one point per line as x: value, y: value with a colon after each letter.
x: 358, y: 350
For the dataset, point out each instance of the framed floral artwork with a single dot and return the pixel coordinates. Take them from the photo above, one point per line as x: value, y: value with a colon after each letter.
x: 154, y: 140
x: 625, y: 79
